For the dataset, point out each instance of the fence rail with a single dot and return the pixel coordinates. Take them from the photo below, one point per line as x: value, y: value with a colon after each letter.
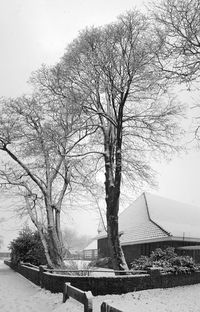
x: 86, y: 272
x: 84, y: 297
x: 105, y: 307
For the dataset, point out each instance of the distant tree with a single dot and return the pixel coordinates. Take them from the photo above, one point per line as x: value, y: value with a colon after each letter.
x: 27, y: 247
x: 112, y: 71
x: 1, y: 238
x: 73, y: 240
x: 1, y: 241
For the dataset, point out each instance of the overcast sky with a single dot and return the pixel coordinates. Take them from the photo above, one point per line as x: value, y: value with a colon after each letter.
x: 33, y: 32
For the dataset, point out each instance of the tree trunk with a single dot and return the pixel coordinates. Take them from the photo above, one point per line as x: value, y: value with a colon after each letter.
x: 40, y: 228
x: 55, y: 244
x: 118, y: 259
x: 112, y: 188
x: 45, y: 245
x: 56, y: 249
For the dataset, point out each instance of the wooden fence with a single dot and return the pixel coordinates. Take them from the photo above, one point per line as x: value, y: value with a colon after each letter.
x: 105, y: 307
x: 84, y: 297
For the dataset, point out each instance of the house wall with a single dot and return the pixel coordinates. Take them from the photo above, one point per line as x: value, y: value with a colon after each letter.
x: 90, y: 254
x: 132, y: 252
x: 4, y: 255
x: 103, y: 250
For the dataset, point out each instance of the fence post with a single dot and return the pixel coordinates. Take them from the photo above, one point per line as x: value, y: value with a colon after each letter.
x: 88, y: 305
x: 65, y: 295
x: 103, y: 307
x: 41, y: 271
x: 85, y: 297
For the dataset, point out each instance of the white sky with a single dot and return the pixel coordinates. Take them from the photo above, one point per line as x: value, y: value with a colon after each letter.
x: 33, y: 32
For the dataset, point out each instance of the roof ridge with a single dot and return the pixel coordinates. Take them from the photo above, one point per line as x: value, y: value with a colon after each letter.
x: 170, y: 199
x: 148, y: 213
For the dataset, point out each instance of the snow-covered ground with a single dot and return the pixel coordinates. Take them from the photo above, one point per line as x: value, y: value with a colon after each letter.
x: 19, y: 295
x: 80, y: 264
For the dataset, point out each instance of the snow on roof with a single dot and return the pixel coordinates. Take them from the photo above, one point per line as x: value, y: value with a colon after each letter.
x: 92, y: 245
x: 197, y: 247
x: 154, y: 218
x: 180, y: 220
x: 135, y: 223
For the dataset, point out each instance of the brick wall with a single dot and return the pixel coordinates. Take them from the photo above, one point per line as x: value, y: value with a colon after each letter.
x: 106, y: 285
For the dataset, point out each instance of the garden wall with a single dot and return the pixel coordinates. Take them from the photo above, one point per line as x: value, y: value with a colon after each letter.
x: 106, y: 285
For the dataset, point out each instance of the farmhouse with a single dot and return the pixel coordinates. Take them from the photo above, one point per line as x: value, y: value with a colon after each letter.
x: 4, y: 255
x: 152, y: 222
x: 90, y: 251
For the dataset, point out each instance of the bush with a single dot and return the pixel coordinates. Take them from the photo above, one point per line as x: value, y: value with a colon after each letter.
x: 27, y: 247
x: 165, y: 260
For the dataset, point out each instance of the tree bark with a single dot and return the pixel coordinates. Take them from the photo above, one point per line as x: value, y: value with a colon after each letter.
x: 118, y: 259
x: 112, y: 188
x: 55, y: 244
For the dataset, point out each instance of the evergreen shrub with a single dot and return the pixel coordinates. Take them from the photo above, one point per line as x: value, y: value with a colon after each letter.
x: 166, y: 260
x: 27, y: 247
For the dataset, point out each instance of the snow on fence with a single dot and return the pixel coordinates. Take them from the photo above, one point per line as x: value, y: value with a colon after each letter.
x: 92, y: 271
x: 84, y: 297
x: 105, y: 307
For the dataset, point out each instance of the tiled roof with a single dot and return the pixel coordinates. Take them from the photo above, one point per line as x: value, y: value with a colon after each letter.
x: 179, y: 219
x: 136, y: 225
x: 92, y: 245
x: 154, y: 218
x: 142, y: 232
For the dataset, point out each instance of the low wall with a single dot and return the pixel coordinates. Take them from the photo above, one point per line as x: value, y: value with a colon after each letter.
x: 106, y: 285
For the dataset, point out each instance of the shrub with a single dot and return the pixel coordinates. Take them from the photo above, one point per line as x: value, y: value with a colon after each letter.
x: 166, y: 260
x: 27, y: 247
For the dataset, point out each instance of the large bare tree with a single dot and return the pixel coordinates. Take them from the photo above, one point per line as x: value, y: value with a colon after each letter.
x: 178, y: 27
x: 36, y: 134
x: 112, y: 71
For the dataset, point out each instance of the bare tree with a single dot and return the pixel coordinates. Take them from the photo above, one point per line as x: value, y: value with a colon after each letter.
x: 113, y: 72
x: 36, y: 134
x: 178, y: 26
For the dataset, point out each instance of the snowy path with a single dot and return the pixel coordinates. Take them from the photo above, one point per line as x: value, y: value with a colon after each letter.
x: 19, y: 295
